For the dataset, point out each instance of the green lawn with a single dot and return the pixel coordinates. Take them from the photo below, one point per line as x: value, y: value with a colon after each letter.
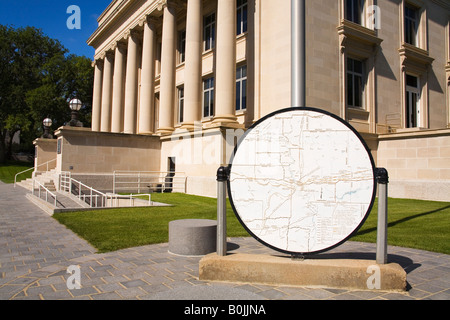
x: 9, y: 169
x: 412, y: 223
x: 114, y: 229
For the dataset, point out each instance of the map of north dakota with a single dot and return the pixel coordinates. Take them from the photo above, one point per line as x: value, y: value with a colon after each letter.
x: 301, y: 181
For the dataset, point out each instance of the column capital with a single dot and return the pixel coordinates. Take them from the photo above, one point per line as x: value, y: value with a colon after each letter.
x: 161, y: 4
x: 149, y: 20
x: 107, y: 54
x: 119, y: 44
x: 97, y: 63
x: 170, y: 4
x: 132, y: 33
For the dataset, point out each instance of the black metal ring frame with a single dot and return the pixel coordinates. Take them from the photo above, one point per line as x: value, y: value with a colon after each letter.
x: 374, y: 170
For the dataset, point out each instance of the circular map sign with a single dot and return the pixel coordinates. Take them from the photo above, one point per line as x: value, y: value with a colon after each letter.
x: 301, y: 181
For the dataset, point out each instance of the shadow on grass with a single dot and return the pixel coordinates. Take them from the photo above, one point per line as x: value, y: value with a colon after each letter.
x: 394, y: 223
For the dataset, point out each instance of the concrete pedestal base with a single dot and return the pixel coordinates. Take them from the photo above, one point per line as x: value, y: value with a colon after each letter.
x: 192, y: 237
x: 338, y: 273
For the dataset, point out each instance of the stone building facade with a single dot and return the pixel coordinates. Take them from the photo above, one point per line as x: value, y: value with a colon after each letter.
x: 190, y: 74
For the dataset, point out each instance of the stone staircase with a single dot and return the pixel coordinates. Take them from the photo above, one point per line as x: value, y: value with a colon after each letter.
x: 50, y: 186
x: 69, y: 202
x: 47, y: 179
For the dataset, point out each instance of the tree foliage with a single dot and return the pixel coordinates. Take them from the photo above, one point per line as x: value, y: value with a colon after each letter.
x: 37, y: 79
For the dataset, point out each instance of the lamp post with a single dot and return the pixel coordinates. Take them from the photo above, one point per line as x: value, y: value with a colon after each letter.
x: 47, y: 124
x: 75, y: 105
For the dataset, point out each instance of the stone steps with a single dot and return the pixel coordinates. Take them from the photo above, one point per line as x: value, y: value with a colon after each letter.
x: 46, y: 179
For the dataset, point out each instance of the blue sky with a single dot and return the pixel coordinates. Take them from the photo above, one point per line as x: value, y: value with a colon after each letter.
x: 51, y: 17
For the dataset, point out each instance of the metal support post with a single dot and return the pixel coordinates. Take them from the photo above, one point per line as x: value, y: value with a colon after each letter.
x: 298, y: 53
x: 222, y: 178
x: 383, y: 180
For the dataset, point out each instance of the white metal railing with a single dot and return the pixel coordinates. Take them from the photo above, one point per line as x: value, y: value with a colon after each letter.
x: 64, y: 181
x: 34, y: 168
x: 151, y: 181
x: 95, y: 198
x: 85, y: 193
x: 116, y: 200
x: 45, y: 191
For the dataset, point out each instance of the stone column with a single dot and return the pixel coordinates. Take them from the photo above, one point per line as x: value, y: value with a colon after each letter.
x: 167, y: 91
x: 147, y: 96
x: 118, y: 88
x: 193, y: 65
x: 226, y: 63
x: 131, y: 85
x: 97, y: 95
x: 105, y: 125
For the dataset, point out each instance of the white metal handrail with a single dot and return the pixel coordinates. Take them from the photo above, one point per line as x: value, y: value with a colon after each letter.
x: 47, y: 192
x: 145, y: 180
x: 25, y: 171
x: 116, y: 197
x: 66, y: 183
x: 106, y: 199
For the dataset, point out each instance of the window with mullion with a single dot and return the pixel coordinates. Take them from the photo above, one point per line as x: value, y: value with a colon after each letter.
x: 182, y: 46
x: 412, y: 100
x: 209, y: 31
x: 354, y: 10
x: 241, y: 88
x: 180, y: 104
x: 242, y: 15
x: 355, y: 83
x: 411, y: 24
x: 208, y: 98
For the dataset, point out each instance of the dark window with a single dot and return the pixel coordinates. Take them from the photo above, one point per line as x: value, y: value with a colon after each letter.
x: 208, y: 97
x: 182, y: 46
x: 411, y: 24
x: 242, y: 16
x: 209, y: 32
x: 241, y: 88
x: 355, y: 83
x: 354, y: 11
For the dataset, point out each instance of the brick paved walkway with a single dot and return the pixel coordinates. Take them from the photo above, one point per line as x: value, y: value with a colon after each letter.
x: 35, y: 252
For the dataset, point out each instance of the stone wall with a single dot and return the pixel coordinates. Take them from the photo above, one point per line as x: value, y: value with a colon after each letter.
x: 418, y: 164
x: 84, y: 151
x: 45, y: 154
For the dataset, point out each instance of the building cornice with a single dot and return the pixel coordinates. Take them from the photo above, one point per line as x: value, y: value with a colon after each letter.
x: 348, y: 30
x: 413, y: 56
x: 108, y: 8
x: 443, y: 3
x: 110, y: 16
x: 134, y: 12
x: 414, y: 134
